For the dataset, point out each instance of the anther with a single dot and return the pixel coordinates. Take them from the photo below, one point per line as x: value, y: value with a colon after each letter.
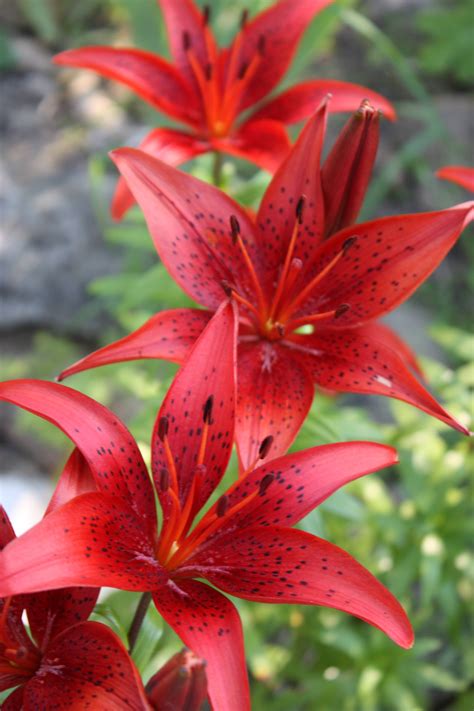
x: 243, y: 70
x: 206, y: 14
x: 281, y: 329
x: 208, y: 72
x: 186, y: 41
x: 222, y: 506
x: 207, y: 410
x: 164, y: 480
x: 341, y: 309
x: 163, y: 427
x: 299, y: 209
x: 261, y: 45
x: 264, y: 484
x: 235, y: 228
x: 244, y: 17
x: 348, y: 243
x: 265, y: 446
x: 227, y: 288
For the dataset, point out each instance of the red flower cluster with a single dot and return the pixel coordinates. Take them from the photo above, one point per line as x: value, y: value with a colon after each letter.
x: 208, y: 88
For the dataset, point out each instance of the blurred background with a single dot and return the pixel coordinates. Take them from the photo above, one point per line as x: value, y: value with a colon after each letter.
x: 71, y: 280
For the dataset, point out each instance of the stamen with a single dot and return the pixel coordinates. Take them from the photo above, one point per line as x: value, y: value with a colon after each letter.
x: 261, y: 45
x: 243, y: 18
x: 342, y: 309
x: 299, y: 209
x: 243, y: 70
x: 265, y: 446
x: 208, y: 71
x: 207, y: 419
x: 313, y: 318
x: 349, y: 242
x: 186, y: 41
x: 207, y: 410
x: 227, y: 288
x: 206, y: 15
x: 163, y: 427
x: 235, y: 229
x: 237, y: 239
x: 265, y: 483
x: 164, y: 480
x: 222, y: 506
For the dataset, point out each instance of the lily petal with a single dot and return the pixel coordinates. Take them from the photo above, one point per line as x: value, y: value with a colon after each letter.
x: 213, y: 357
x: 387, y: 262
x: 7, y: 533
x: 273, y: 398
x: 281, y: 27
x: 300, y: 101
x: 297, y: 176
x: 76, y: 478
x: 381, y: 332
x: 183, y: 18
x: 151, y: 77
x: 86, y: 666
x: 347, y: 169
x: 210, y: 626
x: 301, y: 482
x: 460, y: 174
x: 168, y: 335
x: 14, y: 702
x: 93, y: 540
x: 169, y: 145
x: 264, y: 143
x: 279, y: 565
x: 107, y: 445
x: 354, y: 360
x: 189, y: 223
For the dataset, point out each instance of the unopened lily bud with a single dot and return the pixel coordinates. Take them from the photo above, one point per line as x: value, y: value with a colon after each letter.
x: 180, y: 684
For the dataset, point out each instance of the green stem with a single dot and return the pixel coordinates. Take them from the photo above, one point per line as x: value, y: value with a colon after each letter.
x: 138, y: 620
x: 217, y: 169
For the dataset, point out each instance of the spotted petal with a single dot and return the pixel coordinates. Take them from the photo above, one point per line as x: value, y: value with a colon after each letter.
x: 151, y: 77
x: 354, y: 360
x: 460, y: 174
x: 301, y: 100
x: 76, y: 478
x: 107, y: 445
x: 264, y: 143
x: 209, y: 625
x: 168, y: 335
x: 273, y: 564
x: 189, y: 223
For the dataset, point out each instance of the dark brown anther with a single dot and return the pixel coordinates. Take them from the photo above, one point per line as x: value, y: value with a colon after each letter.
x: 264, y: 484
x: 208, y: 72
x: 299, y: 209
x: 281, y: 329
x: 349, y: 242
x: 227, y: 288
x: 186, y: 41
x: 235, y: 228
x: 164, y: 480
x: 163, y: 427
x: 341, y: 309
x: 222, y: 505
x: 206, y: 15
x: 207, y: 410
x: 261, y: 45
x: 265, y: 446
x: 243, y: 70
x: 243, y: 18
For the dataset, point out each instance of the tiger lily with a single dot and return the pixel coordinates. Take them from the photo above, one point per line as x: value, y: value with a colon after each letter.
x: 460, y: 174
x: 67, y: 662
x: 208, y: 88
x: 310, y: 282
x: 243, y: 545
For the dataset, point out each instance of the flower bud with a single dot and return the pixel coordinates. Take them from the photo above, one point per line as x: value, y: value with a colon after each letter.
x: 180, y: 684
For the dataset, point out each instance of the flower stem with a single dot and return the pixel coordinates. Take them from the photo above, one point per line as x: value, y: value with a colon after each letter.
x: 217, y: 169
x: 138, y: 620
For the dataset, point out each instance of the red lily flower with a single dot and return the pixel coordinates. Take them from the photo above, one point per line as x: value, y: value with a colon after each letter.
x: 208, y: 88
x: 460, y: 174
x: 302, y: 262
x: 67, y: 662
x: 243, y: 544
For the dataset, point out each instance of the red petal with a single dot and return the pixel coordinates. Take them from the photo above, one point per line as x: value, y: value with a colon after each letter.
x: 51, y: 612
x: 7, y: 533
x: 353, y: 360
x: 94, y: 539
x: 189, y: 223
x: 183, y: 17
x: 299, y: 175
x: 381, y: 332
x: 273, y: 398
x: 155, y: 80
x: 107, y: 445
x: 210, y: 626
x: 282, y: 565
x: 390, y: 259
x: 14, y: 702
x: 213, y: 359
x: 459, y: 174
x: 281, y: 26
x: 170, y: 146
x: 301, y: 482
x: 264, y: 143
x: 76, y: 478
x: 86, y: 667
x: 300, y: 101
x: 347, y: 169
x: 168, y: 335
